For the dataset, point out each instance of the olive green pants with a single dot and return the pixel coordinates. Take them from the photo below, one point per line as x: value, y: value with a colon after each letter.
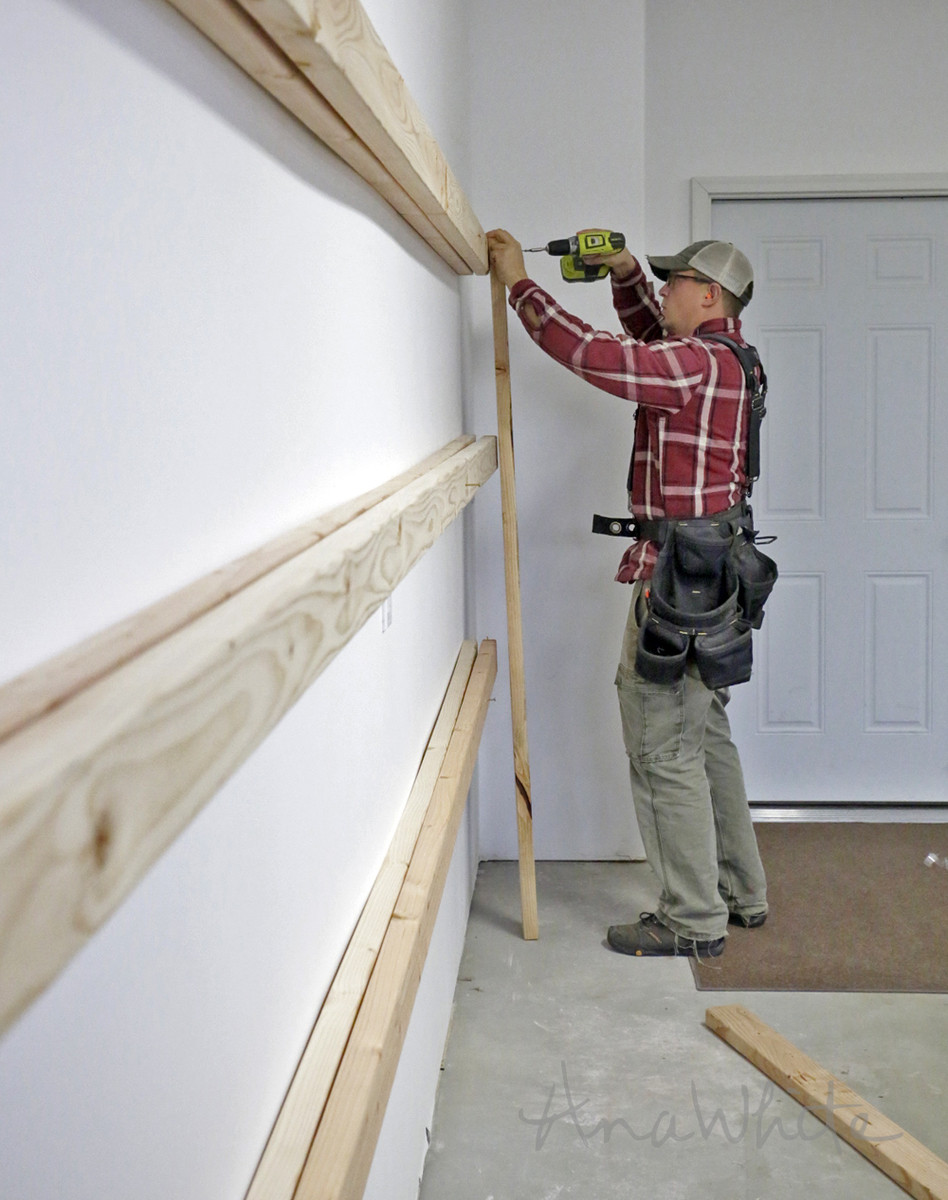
x: 689, y: 797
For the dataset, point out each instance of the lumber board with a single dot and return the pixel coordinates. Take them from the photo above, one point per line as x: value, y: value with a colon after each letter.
x: 518, y: 691
x: 284, y: 1157
x: 95, y: 790
x: 51, y: 683
x: 904, y: 1159
x: 226, y: 24
x: 334, y: 44
x: 341, y: 1155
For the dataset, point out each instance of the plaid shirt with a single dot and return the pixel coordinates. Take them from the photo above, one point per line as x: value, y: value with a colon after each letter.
x: 693, y: 408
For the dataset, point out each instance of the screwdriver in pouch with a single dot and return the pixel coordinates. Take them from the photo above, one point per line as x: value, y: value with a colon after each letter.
x: 572, y: 250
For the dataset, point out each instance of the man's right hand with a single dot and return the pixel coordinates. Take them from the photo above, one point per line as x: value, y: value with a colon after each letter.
x: 622, y: 263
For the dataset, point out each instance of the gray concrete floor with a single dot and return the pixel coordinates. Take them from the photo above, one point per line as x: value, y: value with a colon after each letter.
x: 573, y: 1073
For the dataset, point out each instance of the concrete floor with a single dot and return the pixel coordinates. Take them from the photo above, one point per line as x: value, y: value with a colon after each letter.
x: 573, y: 1073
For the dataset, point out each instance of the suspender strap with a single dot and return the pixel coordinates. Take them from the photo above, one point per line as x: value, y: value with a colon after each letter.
x: 657, y: 530
x: 756, y: 382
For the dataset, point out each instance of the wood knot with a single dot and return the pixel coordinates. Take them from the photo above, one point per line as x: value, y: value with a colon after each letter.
x: 102, y: 839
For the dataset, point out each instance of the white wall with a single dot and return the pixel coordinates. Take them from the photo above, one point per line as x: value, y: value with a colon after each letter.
x: 212, y: 331
x: 557, y: 145
x: 855, y: 87
x: 565, y: 137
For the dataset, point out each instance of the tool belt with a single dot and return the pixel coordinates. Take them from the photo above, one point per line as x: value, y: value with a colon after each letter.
x: 710, y: 583
x: 706, y: 595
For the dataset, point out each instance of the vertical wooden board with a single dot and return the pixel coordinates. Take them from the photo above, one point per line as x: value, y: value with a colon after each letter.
x: 518, y: 692
x: 904, y: 1159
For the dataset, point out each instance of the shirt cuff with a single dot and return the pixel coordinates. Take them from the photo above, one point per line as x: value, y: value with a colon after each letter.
x: 518, y: 290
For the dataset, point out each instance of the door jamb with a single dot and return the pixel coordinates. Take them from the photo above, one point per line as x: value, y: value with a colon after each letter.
x: 804, y: 187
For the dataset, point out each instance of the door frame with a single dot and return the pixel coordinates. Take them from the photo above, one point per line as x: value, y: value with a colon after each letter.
x: 704, y: 191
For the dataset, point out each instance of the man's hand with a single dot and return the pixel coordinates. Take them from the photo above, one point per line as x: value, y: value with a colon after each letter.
x: 622, y: 262
x: 506, y: 257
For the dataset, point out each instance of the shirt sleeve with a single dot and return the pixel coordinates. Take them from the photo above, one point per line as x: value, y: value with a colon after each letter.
x: 660, y: 374
x: 638, y: 311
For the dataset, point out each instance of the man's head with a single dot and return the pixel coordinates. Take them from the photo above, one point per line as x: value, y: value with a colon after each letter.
x: 706, y: 280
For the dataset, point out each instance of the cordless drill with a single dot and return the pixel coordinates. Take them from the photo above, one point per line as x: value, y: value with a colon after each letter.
x: 572, y: 250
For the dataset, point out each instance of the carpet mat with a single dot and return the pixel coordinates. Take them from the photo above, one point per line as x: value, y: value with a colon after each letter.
x: 853, y: 908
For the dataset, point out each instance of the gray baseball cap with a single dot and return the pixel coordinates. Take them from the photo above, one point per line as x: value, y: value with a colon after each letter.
x: 720, y: 261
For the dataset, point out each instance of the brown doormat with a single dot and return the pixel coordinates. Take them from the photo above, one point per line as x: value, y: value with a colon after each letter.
x: 853, y: 908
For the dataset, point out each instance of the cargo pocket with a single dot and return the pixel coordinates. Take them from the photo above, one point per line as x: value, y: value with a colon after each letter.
x: 653, y: 718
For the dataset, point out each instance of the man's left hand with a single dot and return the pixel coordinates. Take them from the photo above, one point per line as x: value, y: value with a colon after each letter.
x: 506, y: 257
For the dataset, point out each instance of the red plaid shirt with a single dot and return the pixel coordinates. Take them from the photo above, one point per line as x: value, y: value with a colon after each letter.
x: 693, y: 408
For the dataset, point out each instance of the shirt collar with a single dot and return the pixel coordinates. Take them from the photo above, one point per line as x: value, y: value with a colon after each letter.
x: 731, y: 325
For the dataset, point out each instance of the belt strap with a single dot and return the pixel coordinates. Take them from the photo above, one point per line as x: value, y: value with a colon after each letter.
x: 657, y: 529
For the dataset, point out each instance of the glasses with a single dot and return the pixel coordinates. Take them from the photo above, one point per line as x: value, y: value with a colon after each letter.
x: 674, y: 276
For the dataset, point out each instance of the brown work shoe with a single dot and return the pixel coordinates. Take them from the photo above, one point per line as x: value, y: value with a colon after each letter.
x: 649, y: 937
x: 753, y: 921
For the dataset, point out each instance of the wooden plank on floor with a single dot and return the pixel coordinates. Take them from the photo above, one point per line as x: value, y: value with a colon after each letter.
x: 226, y: 24
x: 334, y: 44
x: 284, y: 1157
x: 341, y: 1156
x: 904, y: 1159
x: 93, y: 793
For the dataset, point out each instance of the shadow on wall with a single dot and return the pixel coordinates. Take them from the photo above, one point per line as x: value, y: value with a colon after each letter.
x: 160, y: 36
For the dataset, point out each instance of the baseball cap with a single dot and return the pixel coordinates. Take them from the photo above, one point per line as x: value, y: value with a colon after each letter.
x: 720, y: 261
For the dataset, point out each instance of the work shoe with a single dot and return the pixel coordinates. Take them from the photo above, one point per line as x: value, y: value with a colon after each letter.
x: 649, y: 937
x: 754, y: 921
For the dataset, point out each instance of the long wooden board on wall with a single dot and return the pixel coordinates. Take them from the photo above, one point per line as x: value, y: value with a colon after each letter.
x: 324, y: 62
x: 332, y: 1078
x: 93, y: 791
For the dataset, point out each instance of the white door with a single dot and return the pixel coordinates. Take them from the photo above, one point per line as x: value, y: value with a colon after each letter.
x: 849, y: 699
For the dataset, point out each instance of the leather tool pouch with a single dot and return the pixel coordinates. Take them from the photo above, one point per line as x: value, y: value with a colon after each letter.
x: 756, y: 576
x: 698, y: 608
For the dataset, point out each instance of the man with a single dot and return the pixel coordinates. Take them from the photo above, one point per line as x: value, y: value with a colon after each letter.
x: 688, y: 461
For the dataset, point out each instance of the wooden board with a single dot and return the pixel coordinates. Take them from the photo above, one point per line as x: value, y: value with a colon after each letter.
x: 284, y: 1157
x: 226, y: 24
x: 51, y: 683
x: 94, y: 791
x: 334, y: 44
x: 910, y: 1164
x: 341, y: 1156
x: 518, y: 691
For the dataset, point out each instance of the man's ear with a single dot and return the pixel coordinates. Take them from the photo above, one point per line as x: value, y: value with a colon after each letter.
x: 713, y: 294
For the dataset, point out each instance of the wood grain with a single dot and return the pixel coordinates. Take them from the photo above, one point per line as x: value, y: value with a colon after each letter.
x: 51, y: 683
x: 518, y: 689
x: 284, y: 1157
x: 906, y: 1161
x: 94, y: 791
x: 341, y: 1156
x: 334, y: 44
x: 226, y: 24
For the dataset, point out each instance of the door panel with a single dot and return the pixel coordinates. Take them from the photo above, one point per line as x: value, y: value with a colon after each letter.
x: 850, y: 314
